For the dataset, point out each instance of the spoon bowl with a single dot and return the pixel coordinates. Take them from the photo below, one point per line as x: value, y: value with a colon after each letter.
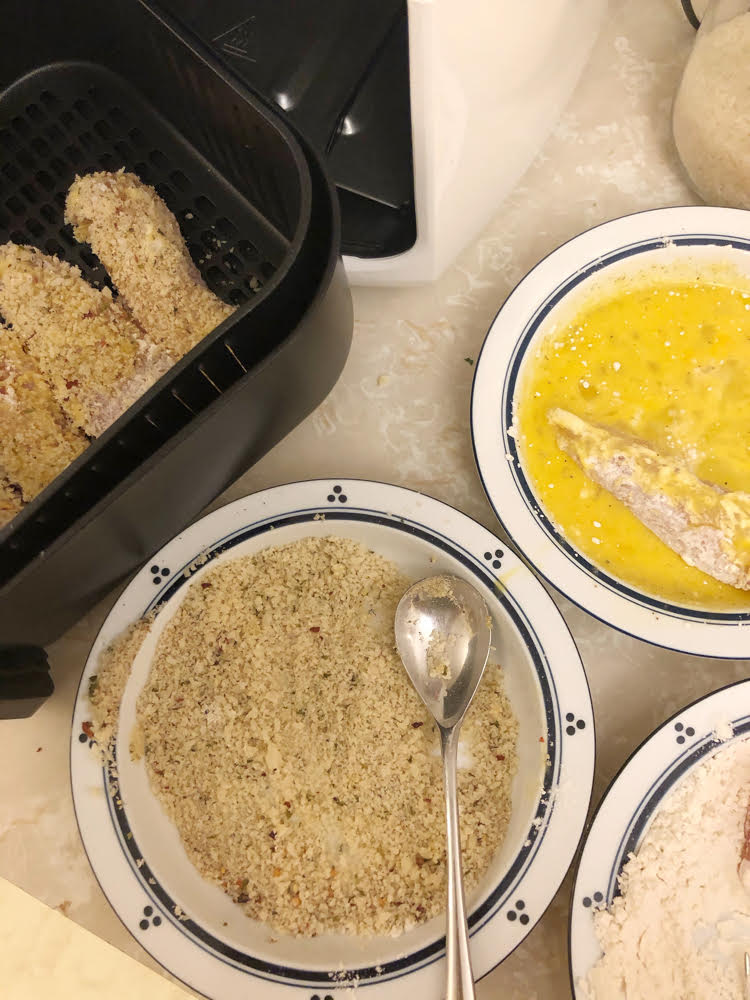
x: 443, y: 634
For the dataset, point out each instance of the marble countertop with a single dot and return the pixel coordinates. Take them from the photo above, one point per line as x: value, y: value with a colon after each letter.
x: 610, y: 154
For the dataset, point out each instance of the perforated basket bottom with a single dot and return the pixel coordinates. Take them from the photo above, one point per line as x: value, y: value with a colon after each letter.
x: 76, y: 118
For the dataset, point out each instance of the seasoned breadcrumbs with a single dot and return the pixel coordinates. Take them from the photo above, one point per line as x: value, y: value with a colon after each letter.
x: 107, y: 686
x: 284, y: 739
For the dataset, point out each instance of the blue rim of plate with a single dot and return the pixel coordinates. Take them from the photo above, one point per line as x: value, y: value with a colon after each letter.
x: 654, y: 791
x: 506, y: 444
x: 172, y: 582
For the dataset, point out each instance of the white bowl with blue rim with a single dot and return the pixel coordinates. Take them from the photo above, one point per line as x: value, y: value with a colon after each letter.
x: 633, y: 800
x: 681, y: 237
x: 191, y: 927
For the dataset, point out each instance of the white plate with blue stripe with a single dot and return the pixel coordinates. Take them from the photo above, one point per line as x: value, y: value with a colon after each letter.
x: 669, y: 237
x: 633, y: 800
x: 190, y: 926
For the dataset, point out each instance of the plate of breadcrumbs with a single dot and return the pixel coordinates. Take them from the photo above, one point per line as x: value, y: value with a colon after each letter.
x: 259, y: 788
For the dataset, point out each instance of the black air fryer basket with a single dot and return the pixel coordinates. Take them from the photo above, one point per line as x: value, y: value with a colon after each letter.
x: 116, y: 83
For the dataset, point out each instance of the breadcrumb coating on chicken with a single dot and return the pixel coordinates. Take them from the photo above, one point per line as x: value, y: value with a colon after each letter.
x: 95, y: 357
x: 36, y: 440
x: 139, y: 242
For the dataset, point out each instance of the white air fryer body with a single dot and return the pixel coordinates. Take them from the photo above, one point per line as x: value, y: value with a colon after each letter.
x: 489, y: 80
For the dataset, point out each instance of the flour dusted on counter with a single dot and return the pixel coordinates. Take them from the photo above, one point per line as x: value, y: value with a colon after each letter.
x: 681, y: 927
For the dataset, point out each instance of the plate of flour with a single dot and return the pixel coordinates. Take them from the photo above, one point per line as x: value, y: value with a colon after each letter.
x: 659, y: 906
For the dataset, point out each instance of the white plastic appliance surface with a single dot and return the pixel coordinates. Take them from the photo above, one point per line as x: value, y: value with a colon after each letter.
x: 489, y: 80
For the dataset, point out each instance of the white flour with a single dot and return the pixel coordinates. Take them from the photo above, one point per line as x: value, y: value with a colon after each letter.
x: 681, y: 927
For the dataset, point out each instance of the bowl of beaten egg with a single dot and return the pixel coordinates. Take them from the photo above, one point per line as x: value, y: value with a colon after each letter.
x: 610, y: 419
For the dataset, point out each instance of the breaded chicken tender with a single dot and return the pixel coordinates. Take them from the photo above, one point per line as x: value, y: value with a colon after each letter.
x: 10, y: 502
x: 139, y: 242
x: 86, y: 344
x: 36, y: 440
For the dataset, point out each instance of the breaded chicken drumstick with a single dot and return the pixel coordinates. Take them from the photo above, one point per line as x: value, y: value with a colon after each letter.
x: 708, y: 527
x: 86, y: 344
x: 137, y: 239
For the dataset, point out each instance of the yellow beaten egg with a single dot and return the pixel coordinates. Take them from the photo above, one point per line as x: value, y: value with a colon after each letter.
x: 669, y: 364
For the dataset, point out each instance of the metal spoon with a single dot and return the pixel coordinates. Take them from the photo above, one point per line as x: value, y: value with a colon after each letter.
x: 443, y: 633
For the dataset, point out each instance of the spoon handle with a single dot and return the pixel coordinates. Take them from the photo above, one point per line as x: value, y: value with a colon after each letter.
x: 459, y: 978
